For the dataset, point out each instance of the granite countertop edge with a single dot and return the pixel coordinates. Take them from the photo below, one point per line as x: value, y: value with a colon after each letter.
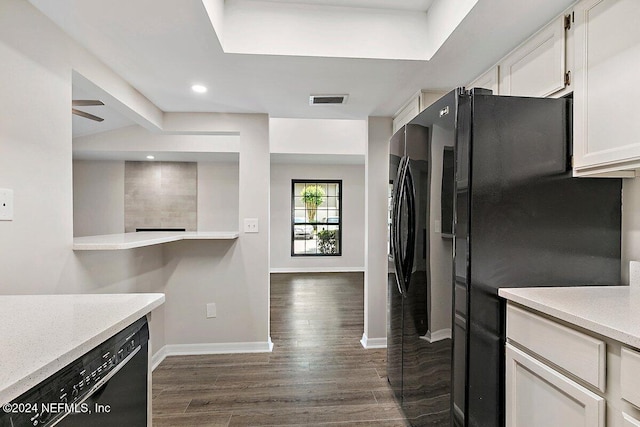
x: 610, y: 311
x: 14, y: 388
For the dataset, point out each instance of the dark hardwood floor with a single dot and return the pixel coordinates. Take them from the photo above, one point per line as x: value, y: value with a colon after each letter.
x: 317, y: 374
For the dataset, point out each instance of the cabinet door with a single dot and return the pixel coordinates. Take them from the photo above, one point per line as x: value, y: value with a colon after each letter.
x: 488, y: 80
x: 629, y: 421
x: 537, y: 67
x: 408, y: 112
x: 539, y: 396
x: 607, y: 56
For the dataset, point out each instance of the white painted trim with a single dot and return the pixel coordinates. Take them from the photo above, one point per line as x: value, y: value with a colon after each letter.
x: 210, y: 348
x: 369, y: 343
x: 218, y: 348
x: 158, y: 357
x: 318, y: 270
x: 439, y: 335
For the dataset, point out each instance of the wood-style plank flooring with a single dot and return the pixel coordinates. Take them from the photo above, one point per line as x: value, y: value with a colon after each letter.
x: 317, y: 374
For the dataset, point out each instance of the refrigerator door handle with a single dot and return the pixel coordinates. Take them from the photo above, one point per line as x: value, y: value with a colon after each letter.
x: 395, y: 229
x: 411, y: 226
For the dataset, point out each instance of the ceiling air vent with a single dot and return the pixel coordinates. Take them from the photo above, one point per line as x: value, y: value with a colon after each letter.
x: 327, y: 99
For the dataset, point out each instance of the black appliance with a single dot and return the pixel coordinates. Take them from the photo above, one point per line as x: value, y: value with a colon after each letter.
x: 419, y: 282
x: 105, y: 387
x: 519, y: 219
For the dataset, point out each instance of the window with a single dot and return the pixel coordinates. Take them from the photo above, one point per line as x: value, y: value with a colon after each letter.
x: 316, y: 217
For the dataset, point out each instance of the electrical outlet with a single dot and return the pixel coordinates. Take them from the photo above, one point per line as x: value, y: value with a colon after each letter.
x: 251, y: 225
x: 211, y: 310
x: 6, y: 204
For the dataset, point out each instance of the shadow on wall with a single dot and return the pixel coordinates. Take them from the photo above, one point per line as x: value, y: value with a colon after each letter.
x: 191, y: 255
x: 132, y: 270
x: 142, y: 269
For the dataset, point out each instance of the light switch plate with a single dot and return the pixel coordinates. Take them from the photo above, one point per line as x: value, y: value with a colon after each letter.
x: 6, y: 204
x: 437, y: 225
x: 251, y: 225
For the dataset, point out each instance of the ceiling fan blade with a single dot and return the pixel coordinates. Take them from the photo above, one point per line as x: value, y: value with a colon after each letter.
x: 86, y: 115
x: 86, y: 102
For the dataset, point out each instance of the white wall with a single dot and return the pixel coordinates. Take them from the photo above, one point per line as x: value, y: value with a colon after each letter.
x: 376, y: 260
x: 138, y: 139
x: 197, y: 273
x: 299, y: 29
x: 352, y: 177
x: 99, y: 208
x: 315, y: 136
x: 218, y: 192
x: 98, y: 197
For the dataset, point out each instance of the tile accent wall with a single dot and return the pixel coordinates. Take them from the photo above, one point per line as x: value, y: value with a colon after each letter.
x: 160, y: 195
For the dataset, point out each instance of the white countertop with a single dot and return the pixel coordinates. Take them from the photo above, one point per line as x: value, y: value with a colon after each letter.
x: 43, y: 333
x: 612, y: 311
x: 146, y: 238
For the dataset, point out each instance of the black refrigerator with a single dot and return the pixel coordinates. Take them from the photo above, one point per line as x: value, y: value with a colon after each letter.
x: 482, y: 197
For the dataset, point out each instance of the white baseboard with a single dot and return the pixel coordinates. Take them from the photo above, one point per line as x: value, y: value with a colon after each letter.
x: 373, y: 342
x: 318, y: 270
x: 439, y: 335
x: 158, y: 357
x: 209, y: 348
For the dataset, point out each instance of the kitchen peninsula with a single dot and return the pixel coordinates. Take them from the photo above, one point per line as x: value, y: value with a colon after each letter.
x: 139, y: 240
x: 43, y: 334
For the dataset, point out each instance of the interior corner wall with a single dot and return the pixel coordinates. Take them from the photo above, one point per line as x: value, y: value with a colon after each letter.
x: 218, y: 196
x: 376, y: 258
x: 98, y: 197
x: 352, y: 258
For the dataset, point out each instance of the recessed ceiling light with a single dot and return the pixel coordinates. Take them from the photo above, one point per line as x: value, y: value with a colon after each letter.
x: 199, y: 88
x: 150, y: 157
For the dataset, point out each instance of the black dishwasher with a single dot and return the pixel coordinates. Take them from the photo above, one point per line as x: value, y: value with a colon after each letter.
x: 107, y: 386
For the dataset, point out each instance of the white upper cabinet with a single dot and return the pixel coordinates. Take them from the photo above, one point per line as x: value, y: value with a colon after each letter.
x: 406, y: 113
x: 606, y: 118
x: 488, y: 80
x: 414, y: 106
x: 538, y: 66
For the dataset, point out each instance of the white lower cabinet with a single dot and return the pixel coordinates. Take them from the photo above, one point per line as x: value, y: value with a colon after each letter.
x: 539, y: 396
x: 630, y: 421
x: 630, y: 376
x: 561, y: 375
